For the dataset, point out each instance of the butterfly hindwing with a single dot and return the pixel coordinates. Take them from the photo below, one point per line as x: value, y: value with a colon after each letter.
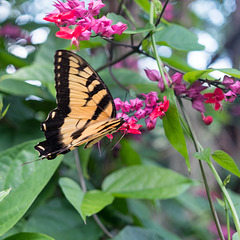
x: 85, y: 109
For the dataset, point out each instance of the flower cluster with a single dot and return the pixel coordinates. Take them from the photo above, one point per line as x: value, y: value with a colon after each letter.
x: 73, y: 12
x: 14, y: 33
x: 149, y: 109
x: 193, y: 92
x: 233, y: 87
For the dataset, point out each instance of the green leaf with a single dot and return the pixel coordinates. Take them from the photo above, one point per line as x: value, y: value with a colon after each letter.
x: 192, y: 76
x: 149, y: 182
x: 11, y: 59
x: 145, y: 5
x: 178, y: 62
x: 177, y: 37
x: 137, y: 233
x: 203, y: 155
x: 227, y: 180
x: 3, y: 113
x: 26, y: 235
x: 19, y: 88
x: 73, y: 193
x: 235, y: 236
x: 117, y: 18
x: 4, y: 193
x: 173, y: 128
x: 127, y: 78
x: 225, y: 161
x: 157, y: 6
x: 26, y: 181
x: 128, y: 155
x: 84, y: 155
x: 235, y: 197
x: 93, y: 43
x: 88, y: 203
x: 94, y: 201
x: 149, y: 27
x: 58, y: 219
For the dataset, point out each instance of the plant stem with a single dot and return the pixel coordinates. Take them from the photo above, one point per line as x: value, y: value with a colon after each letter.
x: 197, y: 146
x: 213, y: 210
x: 98, y: 221
x: 79, y: 170
x: 228, y: 199
x: 228, y: 222
x: 159, y: 61
x: 84, y: 188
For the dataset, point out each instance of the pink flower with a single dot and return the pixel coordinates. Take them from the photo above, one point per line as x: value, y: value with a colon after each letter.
x: 118, y: 103
x: 227, y: 81
x: 136, y: 103
x: 103, y: 26
x: 235, y: 87
x: 152, y: 75
x: 177, y: 78
x: 150, y: 123
x: 230, y: 96
x: 94, y: 7
x: 131, y: 127
x: 179, y: 87
x: 10, y: 31
x: 151, y: 99
x: 161, y: 85
x: 119, y: 28
x: 197, y: 103
x: 79, y: 33
x: 126, y: 107
x: 160, y: 110
x: 140, y: 113
x: 215, y: 98
x: 195, y: 89
x: 62, y: 7
x: 122, y: 115
x: 168, y: 13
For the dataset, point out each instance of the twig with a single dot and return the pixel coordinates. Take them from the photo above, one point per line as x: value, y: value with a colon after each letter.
x: 84, y: 188
x: 213, y: 210
x: 116, y: 80
x: 115, y: 61
x: 98, y: 221
x: 120, y: 7
x: 157, y: 22
x: 79, y: 170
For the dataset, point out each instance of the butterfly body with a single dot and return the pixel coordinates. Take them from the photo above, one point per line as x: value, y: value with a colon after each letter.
x: 85, y: 110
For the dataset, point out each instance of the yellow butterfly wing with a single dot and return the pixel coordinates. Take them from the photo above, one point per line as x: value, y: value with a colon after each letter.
x: 85, y: 110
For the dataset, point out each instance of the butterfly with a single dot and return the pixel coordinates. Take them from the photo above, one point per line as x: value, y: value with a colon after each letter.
x: 85, y: 110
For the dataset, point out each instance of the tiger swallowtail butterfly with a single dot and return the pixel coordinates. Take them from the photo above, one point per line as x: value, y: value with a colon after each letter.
x: 85, y: 110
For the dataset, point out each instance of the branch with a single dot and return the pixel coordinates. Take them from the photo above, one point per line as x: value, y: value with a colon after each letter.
x: 84, y: 188
x: 195, y: 142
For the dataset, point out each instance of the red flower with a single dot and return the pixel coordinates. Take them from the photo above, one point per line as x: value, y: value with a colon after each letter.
x: 131, y: 126
x: 60, y: 18
x: 215, y: 98
x: 79, y: 33
x: 160, y: 110
x: 207, y: 120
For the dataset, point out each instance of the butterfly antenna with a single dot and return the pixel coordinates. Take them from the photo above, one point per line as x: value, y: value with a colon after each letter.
x: 32, y: 161
x: 118, y: 141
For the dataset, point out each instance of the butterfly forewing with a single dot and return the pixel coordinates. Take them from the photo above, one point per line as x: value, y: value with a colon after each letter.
x: 85, y: 109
